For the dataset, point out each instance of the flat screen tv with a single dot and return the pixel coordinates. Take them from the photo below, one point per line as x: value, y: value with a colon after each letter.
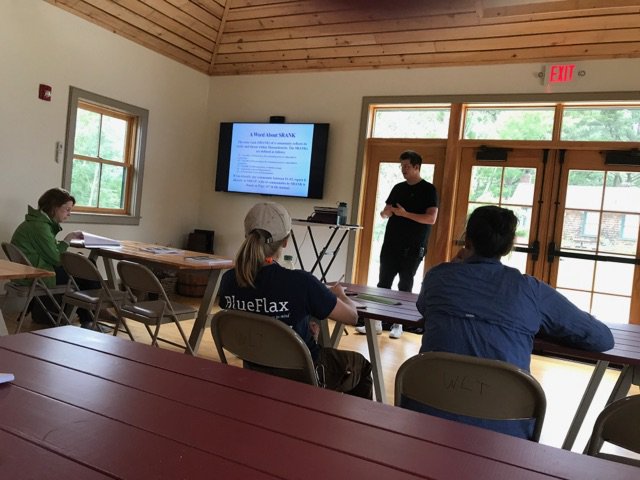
x: 284, y: 159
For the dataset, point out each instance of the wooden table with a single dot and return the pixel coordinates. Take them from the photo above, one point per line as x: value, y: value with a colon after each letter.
x: 625, y: 353
x: 403, y: 312
x: 140, y: 252
x: 14, y: 271
x: 85, y: 405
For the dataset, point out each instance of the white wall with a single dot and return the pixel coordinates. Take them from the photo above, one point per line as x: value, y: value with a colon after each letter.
x: 336, y: 98
x: 41, y: 43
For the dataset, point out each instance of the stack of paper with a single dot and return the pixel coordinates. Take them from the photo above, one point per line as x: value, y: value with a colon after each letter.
x: 91, y: 240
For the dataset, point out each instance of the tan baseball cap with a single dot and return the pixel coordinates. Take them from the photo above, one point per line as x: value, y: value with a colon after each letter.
x: 271, y: 217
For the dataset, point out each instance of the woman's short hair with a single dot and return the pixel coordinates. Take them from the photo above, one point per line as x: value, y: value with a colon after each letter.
x: 54, y: 198
x: 491, y: 231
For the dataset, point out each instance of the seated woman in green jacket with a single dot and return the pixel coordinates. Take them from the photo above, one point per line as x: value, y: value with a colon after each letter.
x: 36, y: 237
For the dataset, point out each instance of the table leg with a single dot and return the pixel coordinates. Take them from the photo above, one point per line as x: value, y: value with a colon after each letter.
x: 295, y: 245
x: 585, y: 403
x: 374, y: 358
x: 320, y: 255
x: 108, y: 267
x: 329, y: 339
x: 335, y: 252
x: 203, y: 319
x: 3, y: 326
x: 336, y: 335
x: 324, y: 339
x: 620, y: 389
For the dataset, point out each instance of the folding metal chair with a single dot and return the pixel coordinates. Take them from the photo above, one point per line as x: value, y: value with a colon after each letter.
x: 79, y: 267
x: 472, y: 386
x: 139, y: 282
x: 265, y: 342
x: 38, y: 288
x: 618, y: 424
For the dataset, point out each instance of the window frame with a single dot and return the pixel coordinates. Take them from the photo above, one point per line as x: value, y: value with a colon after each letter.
x: 130, y: 214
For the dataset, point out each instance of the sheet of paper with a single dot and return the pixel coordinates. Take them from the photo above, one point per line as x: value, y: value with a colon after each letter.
x: 205, y: 259
x: 91, y: 240
x: 160, y: 250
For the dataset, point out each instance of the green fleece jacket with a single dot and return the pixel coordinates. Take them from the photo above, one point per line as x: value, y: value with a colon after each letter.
x: 36, y: 237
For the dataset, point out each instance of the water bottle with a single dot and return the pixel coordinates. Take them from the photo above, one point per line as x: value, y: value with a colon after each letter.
x: 342, y: 213
x: 287, y: 262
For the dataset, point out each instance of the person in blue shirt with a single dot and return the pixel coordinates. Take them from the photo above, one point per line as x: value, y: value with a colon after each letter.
x: 259, y: 284
x: 477, y: 306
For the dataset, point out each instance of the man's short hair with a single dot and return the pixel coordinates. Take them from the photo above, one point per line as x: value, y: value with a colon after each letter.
x: 414, y: 157
x: 492, y: 231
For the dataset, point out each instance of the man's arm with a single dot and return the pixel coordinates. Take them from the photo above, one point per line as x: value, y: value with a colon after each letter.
x: 428, y: 218
x: 566, y: 323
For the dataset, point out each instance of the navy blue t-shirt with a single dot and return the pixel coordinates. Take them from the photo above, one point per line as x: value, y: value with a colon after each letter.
x: 292, y: 296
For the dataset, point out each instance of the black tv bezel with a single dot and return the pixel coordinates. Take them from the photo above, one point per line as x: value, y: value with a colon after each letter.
x: 317, y: 168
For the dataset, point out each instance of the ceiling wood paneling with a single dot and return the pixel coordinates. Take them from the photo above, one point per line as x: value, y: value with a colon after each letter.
x: 227, y: 37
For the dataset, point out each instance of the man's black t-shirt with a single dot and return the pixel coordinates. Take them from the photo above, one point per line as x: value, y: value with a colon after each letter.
x: 402, y: 232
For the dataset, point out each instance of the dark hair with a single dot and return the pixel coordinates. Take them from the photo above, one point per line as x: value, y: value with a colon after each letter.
x: 54, y: 198
x: 491, y: 231
x: 414, y: 157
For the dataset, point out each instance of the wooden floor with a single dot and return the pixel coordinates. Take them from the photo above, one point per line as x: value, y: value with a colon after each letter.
x: 563, y: 381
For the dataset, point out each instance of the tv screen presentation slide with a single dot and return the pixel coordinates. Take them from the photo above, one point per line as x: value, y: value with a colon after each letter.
x: 271, y: 159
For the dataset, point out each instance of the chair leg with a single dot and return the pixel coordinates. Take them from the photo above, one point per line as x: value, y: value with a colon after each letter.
x: 154, y: 337
x: 62, y: 315
x: 122, y: 321
x: 184, y: 337
x: 151, y: 335
x: 23, y: 313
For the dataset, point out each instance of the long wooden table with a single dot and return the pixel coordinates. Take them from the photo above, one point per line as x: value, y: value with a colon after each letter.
x: 14, y: 271
x: 625, y: 353
x: 85, y: 405
x: 177, y: 260
x: 404, y: 311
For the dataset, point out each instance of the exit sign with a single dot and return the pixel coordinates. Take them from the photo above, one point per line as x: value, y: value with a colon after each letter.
x: 555, y: 73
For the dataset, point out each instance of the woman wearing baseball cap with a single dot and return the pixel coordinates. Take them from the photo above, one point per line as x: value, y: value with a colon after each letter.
x: 260, y: 285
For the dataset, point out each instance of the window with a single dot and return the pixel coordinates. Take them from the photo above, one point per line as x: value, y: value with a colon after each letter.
x: 407, y: 122
x: 606, y: 124
x: 630, y: 226
x: 509, y: 123
x: 104, y: 158
x: 590, y: 224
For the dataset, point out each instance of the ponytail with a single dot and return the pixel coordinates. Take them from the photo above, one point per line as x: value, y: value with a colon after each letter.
x: 252, y: 256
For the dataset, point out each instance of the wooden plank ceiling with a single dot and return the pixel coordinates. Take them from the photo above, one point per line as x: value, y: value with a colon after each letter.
x: 228, y: 37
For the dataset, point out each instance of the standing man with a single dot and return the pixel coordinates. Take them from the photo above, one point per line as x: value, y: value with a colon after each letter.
x: 412, y: 207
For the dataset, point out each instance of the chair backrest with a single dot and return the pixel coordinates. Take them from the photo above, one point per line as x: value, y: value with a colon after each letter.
x: 14, y: 254
x: 472, y: 386
x: 262, y: 340
x: 619, y: 424
x: 78, y: 266
x: 139, y: 278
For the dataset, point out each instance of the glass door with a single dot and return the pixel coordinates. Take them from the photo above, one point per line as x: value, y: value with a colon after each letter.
x: 510, y: 178
x: 594, y: 249
x: 382, y: 173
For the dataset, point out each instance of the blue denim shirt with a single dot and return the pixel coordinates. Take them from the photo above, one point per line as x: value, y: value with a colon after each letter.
x: 482, y: 308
